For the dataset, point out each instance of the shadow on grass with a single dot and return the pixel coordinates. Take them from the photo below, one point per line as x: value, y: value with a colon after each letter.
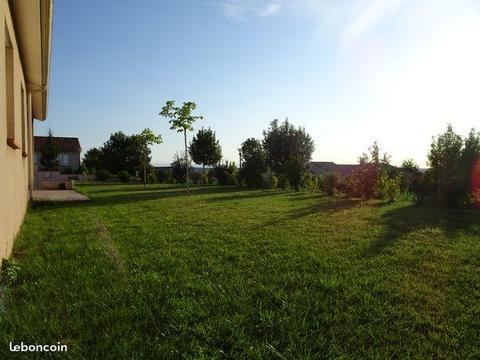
x: 120, y: 196
x: 307, y: 196
x: 328, y: 206
x: 241, y: 195
x: 137, y: 188
x: 401, y: 221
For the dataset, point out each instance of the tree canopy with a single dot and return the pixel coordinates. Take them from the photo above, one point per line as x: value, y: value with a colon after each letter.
x: 283, y: 141
x: 93, y: 159
x: 181, y: 118
x: 452, y: 159
x: 253, y: 162
x: 205, y: 148
x: 123, y: 152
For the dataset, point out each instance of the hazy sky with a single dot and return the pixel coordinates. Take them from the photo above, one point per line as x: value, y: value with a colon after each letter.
x: 350, y: 72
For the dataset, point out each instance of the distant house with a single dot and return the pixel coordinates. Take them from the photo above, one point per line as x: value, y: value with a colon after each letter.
x: 68, y: 147
x: 325, y: 167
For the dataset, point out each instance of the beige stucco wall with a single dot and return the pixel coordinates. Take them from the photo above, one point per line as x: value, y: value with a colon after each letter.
x: 15, y: 168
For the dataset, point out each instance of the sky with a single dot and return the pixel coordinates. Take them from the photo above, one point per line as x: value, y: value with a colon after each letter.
x: 350, y: 72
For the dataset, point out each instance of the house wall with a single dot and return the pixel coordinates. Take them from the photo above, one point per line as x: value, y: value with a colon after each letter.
x: 74, y: 160
x: 15, y: 165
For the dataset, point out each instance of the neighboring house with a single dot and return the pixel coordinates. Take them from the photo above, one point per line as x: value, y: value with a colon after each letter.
x: 24, y: 66
x: 68, y: 147
x: 325, y: 167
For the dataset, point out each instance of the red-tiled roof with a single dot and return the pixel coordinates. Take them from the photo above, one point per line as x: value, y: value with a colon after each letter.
x: 63, y: 144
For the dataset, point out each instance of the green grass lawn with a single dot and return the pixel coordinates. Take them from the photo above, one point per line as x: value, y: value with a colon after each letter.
x: 228, y: 273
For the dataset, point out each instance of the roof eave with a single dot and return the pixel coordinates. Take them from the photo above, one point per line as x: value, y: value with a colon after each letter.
x: 33, y: 26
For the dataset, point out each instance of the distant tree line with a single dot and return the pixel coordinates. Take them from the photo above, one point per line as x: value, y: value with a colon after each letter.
x: 122, y: 155
x: 281, y: 159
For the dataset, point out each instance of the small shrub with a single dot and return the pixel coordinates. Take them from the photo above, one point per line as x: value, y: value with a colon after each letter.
x: 283, y: 182
x: 363, y: 182
x: 102, y: 175
x: 179, y: 168
x: 311, y: 183
x: 274, y: 182
x: 205, y: 180
x: 226, y: 173
x: 9, y: 271
x: 331, y: 182
x: 406, y: 196
x: 389, y: 188
x: 423, y: 187
x: 124, y: 176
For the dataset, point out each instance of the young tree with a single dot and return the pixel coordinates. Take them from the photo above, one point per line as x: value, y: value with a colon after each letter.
x: 205, y: 148
x: 147, y: 138
x: 181, y: 119
x: 49, y: 156
x: 366, y: 182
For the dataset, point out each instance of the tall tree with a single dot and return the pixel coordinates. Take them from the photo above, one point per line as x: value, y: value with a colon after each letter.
x: 205, y: 148
x: 182, y: 120
x: 147, y: 138
x: 283, y: 141
x: 93, y: 159
x: 123, y: 152
x: 49, y: 155
x: 253, y: 162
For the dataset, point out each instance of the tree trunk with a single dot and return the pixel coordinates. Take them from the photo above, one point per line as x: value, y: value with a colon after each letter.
x: 144, y: 171
x: 186, y: 159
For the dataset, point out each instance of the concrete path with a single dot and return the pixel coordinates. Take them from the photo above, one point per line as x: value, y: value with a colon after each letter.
x: 58, y: 195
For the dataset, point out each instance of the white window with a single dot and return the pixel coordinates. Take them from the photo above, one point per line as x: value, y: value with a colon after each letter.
x: 63, y: 159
